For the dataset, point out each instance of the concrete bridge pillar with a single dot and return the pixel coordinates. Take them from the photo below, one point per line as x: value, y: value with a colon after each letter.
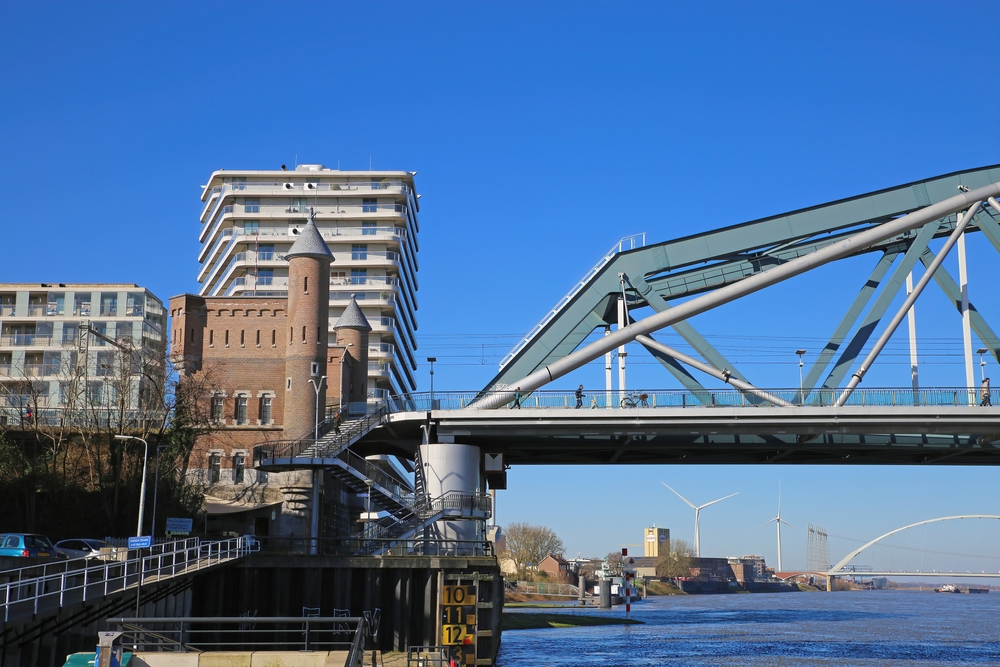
x: 450, y: 468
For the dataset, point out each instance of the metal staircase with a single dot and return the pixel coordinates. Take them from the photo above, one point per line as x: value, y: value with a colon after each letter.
x: 409, y: 521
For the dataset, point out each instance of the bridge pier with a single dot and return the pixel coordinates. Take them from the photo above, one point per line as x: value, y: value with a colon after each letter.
x: 450, y: 468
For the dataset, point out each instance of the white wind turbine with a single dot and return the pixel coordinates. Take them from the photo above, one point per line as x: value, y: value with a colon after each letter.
x: 778, y: 521
x: 697, y: 513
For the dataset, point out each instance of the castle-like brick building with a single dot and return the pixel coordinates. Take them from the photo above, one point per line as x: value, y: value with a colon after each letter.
x: 261, y: 369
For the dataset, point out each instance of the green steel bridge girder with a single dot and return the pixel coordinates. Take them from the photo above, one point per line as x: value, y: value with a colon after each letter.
x: 691, y: 265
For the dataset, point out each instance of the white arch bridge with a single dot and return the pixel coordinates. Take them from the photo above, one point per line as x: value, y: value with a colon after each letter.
x: 965, y: 545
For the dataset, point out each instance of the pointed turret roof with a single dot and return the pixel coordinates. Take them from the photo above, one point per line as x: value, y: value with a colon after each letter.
x: 353, y: 318
x: 309, y: 243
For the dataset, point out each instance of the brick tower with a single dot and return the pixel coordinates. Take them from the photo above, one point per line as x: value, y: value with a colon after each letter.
x: 308, y: 311
x: 352, y: 330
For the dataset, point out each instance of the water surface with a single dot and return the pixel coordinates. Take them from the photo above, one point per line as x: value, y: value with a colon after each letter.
x: 884, y: 628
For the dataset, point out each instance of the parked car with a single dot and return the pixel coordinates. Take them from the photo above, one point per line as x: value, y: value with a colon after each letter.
x: 88, y: 548
x: 27, y: 545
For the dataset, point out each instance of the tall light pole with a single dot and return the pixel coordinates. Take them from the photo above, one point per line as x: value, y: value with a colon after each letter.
x: 368, y: 515
x: 982, y: 363
x: 317, y: 386
x: 802, y: 398
x: 431, y: 361
x: 142, y: 490
x: 156, y: 489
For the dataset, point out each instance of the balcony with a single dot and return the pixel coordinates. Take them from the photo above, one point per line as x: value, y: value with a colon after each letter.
x: 382, y: 349
x: 382, y: 323
x: 388, y: 281
x: 379, y: 368
x: 384, y: 296
x: 36, y: 310
x: 369, y: 256
x: 6, y: 309
x: 40, y: 370
x: 272, y: 287
x: 26, y: 340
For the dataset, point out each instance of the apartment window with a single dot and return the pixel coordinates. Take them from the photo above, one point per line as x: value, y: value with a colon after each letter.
x: 214, y: 468
x: 81, y: 305
x: 359, y: 251
x: 299, y: 206
x: 251, y: 227
x: 262, y: 477
x: 265, y: 409
x: 109, y: 304
x: 241, y: 409
x: 239, y: 465
x: 251, y: 206
x: 134, y: 304
x: 239, y: 184
x: 265, y: 251
x: 369, y: 205
x: 217, y: 402
x: 359, y: 276
x: 368, y: 228
x: 265, y: 276
x: 338, y: 277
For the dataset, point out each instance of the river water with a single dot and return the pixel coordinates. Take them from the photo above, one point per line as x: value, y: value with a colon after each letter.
x: 884, y: 628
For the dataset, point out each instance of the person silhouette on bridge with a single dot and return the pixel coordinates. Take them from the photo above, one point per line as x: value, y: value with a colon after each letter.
x: 579, y: 396
x: 984, y: 393
x: 517, y: 399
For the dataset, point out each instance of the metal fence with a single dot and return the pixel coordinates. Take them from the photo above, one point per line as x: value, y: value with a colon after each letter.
x: 31, y: 589
x: 360, y: 545
x: 245, y: 633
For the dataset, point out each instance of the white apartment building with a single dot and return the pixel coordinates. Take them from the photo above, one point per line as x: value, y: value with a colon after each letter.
x: 367, y: 218
x: 63, y: 345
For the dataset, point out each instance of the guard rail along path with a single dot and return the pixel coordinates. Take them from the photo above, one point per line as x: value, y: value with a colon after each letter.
x: 28, y: 591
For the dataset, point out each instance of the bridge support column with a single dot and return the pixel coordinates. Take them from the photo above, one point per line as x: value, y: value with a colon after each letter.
x: 830, y: 583
x: 451, y: 468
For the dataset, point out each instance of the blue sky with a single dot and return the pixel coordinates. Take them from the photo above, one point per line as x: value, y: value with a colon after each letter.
x: 542, y: 133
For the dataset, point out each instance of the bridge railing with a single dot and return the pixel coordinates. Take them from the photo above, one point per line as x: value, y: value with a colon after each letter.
x: 28, y: 589
x: 670, y: 398
x: 360, y: 545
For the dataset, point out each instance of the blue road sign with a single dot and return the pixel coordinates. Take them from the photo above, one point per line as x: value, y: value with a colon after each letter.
x: 140, y: 542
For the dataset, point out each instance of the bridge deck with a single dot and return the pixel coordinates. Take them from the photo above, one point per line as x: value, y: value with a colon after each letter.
x: 959, y: 435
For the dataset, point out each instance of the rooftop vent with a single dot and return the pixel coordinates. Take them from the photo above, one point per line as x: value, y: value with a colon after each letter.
x: 310, y: 167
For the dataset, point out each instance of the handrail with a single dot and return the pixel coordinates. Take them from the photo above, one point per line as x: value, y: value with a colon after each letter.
x: 709, y: 398
x: 632, y: 242
x: 53, y: 583
x: 198, y: 634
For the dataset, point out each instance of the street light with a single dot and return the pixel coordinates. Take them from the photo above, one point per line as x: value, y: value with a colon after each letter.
x: 802, y: 398
x: 431, y: 361
x: 368, y: 515
x: 156, y: 488
x: 318, y: 386
x: 142, y: 490
x: 982, y: 363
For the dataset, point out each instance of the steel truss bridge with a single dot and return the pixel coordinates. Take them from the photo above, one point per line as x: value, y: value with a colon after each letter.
x: 829, y: 420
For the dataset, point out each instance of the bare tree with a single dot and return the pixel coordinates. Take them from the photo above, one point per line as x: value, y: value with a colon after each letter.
x: 676, y: 562
x: 527, y: 545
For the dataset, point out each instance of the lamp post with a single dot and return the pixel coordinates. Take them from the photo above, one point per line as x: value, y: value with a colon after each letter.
x: 802, y: 398
x: 318, y: 386
x: 431, y: 361
x: 982, y: 363
x: 142, y: 490
x: 156, y: 488
x: 368, y: 515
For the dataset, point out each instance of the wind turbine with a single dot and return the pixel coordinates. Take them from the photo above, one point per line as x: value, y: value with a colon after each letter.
x: 697, y: 512
x: 778, y: 521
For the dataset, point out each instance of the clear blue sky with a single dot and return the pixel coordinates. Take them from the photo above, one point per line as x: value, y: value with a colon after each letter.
x: 542, y: 133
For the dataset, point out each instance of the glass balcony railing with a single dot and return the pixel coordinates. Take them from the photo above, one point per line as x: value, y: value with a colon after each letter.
x: 36, y: 310
x: 25, y: 340
x: 390, y: 281
x: 6, y: 309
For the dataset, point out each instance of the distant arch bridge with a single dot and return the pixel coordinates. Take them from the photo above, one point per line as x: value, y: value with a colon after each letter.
x: 913, y: 559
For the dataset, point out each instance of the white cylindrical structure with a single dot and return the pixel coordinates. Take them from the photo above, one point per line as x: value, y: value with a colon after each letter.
x: 963, y: 284
x: 912, y: 324
x: 451, y: 468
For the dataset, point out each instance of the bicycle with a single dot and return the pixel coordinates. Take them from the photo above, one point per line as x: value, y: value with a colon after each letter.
x: 635, y: 400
